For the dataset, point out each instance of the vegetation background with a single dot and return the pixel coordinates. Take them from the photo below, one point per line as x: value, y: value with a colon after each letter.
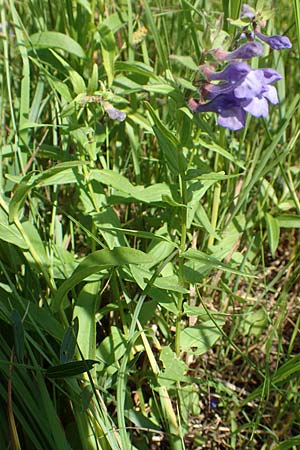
x: 149, y: 268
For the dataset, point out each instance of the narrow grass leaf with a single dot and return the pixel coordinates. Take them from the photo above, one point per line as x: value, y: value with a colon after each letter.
x: 297, y: 20
x: 285, y: 372
x: 135, y: 67
x: 70, y: 369
x: 156, y: 35
x: 168, y: 142
x: 19, y: 335
x: 293, y: 442
x: 216, y: 148
x: 93, y: 80
x: 33, y: 236
x: 186, y: 61
x: 211, y: 261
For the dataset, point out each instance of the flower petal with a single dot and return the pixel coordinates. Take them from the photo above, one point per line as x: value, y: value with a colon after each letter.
x: 247, y: 11
x: 234, y: 119
x: 246, y: 51
x: 233, y: 73
x: 270, y: 93
x: 257, y: 106
x: 270, y: 75
x: 114, y: 113
x: 210, y: 91
x: 275, y: 42
x: 251, y: 86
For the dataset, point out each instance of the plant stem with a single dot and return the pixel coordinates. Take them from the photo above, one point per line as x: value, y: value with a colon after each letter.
x: 183, y: 187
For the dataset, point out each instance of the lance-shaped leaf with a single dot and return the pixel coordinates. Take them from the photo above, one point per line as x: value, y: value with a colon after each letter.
x: 70, y: 369
x: 97, y: 261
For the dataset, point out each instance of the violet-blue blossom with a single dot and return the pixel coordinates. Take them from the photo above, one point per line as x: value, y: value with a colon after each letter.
x: 230, y: 114
x: 246, y: 90
x: 113, y: 113
x: 255, y: 82
x: 247, y: 11
x: 241, y: 89
x: 255, y: 91
x: 233, y: 73
x: 246, y: 51
x: 275, y: 42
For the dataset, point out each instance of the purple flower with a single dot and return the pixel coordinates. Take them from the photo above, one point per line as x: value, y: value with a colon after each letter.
x: 275, y: 42
x: 247, y: 11
x: 233, y: 73
x: 255, y: 91
x: 230, y: 114
x: 246, y: 51
x: 244, y: 90
x: 113, y: 113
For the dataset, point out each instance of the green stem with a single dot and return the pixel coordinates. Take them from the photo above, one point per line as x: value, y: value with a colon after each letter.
x: 183, y: 187
x: 215, y: 212
x: 217, y: 190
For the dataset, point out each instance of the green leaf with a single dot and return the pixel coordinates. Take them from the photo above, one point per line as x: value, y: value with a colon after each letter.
x: 159, y: 88
x: 273, y: 232
x: 186, y: 61
x: 200, y: 338
x: 85, y: 310
x: 97, y: 261
x: 41, y: 179
x: 291, y: 367
x: 135, y: 67
x: 168, y: 143
x: 221, y: 151
x: 18, y: 199
x: 53, y: 39
x: 77, y: 81
x: 117, y: 231
x: 174, y: 368
x: 288, y: 370
x: 150, y: 194
x: 289, y: 443
x: 254, y: 322
x: 9, y: 232
x: 68, y: 345
x: 208, y: 260
x: 288, y: 220
x: 36, y: 242
x: 86, y: 5
x: 111, y: 349
x: 201, y: 217
x: 19, y: 337
x: 170, y: 283
x: 199, y: 311
x: 240, y: 23
x: 108, y: 45
x: 70, y: 369
x: 189, y: 403
x: 93, y: 80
